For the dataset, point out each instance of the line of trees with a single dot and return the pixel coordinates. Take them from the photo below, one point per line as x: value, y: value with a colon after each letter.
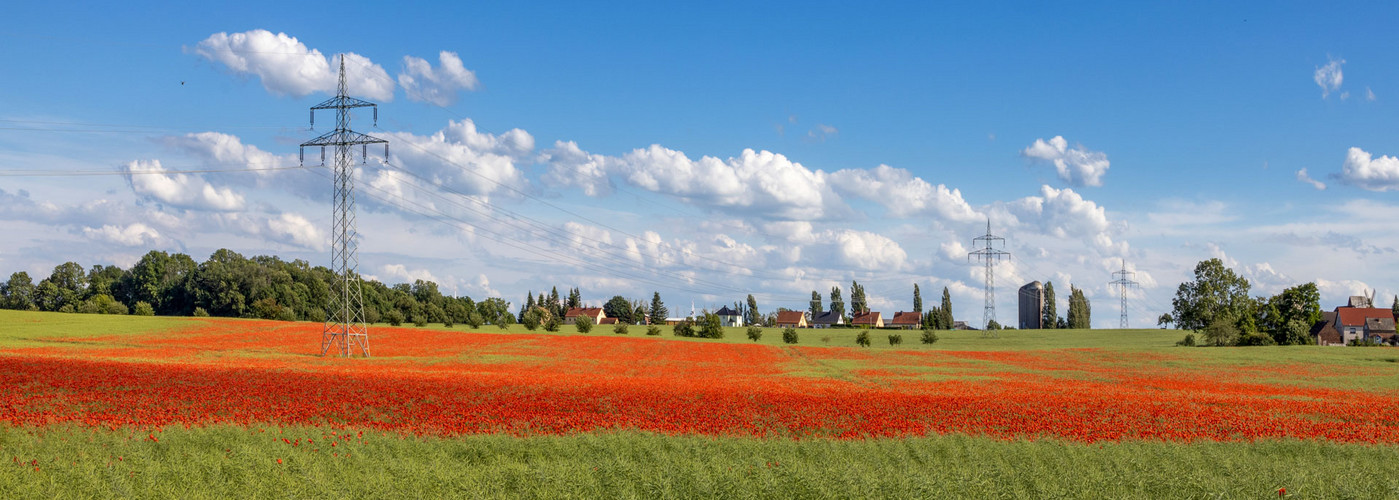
x: 1217, y: 304
x: 231, y: 285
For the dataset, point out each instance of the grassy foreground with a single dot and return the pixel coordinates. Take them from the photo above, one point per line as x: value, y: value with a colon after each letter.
x: 224, y: 462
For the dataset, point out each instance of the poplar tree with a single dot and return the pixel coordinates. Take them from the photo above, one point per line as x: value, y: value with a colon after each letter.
x: 837, y: 303
x: 917, y: 299
x: 1051, y: 316
x: 816, y: 303
x: 946, y: 309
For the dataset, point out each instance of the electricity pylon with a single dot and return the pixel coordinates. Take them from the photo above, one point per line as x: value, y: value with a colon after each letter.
x: 990, y: 256
x: 1124, y: 281
x: 344, y: 322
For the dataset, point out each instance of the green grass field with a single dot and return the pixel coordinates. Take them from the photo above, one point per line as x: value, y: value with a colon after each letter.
x: 224, y: 461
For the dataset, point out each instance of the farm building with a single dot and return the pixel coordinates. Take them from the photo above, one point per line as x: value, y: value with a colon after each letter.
x: 572, y: 315
x: 1365, y: 323
x: 791, y: 319
x: 826, y: 320
x: 1325, y: 332
x: 910, y: 320
x: 1032, y: 306
x: 872, y: 319
x: 729, y: 317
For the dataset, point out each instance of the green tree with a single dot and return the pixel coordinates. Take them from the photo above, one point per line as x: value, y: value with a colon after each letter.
x: 816, y: 308
x: 858, y: 303
x: 1395, y: 307
x: 554, y: 304
x: 658, y: 309
x: 529, y: 304
x: 18, y: 292
x: 755, y: 333
x: 618, y: 308
x: 143, y: 309
x: 575, y: 299
x: 1299, y: 303
x: 638, y: 312
x: 1165, y: 321
x: 837, y: 303
x: 711, y: 327
x: 1051, y: 315
x: 863, y: 339
x: 1216, y: 293
x: 753, y: 317
x: 1080, y: 313
x: 917, y: 300
x: 583, y: 323
x: 1221, y: 331
x: 946, y: 310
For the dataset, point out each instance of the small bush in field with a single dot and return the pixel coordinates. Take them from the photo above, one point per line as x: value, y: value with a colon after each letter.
x: 896, y: 338
x: 552, y: 325
x: 584, y: 324
x: 199, y: 312
x: 863, y: 339
x: 755, y: 333
x: 929, y: 337
x: 620, y: 329
x: 653, y: 330
x: 789, y: 335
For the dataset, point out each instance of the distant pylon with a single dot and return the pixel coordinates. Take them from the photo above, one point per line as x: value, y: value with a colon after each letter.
x: 989, y: 255
x: 1124, y: 281
x: 344, y: 322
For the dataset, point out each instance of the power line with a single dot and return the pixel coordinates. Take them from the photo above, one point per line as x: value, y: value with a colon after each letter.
x: 990, y: 256
x: 1123, y: 279
x: 89, y: 173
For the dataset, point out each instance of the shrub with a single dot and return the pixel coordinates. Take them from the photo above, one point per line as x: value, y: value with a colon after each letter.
x: 863, y: 339
x: 929, y: 336
x: 315, y: 314
x: 530, y: 319
x: 896, y: 338
x: 755, y: 333
x: 620, y: 329
x: 789, y: 335
x: 713, y: 327
x: 1221, y: 332
x: 88, y: 307
x: 474, y: 319
x: 685, y: 328
x: 1188, y: 341
x: 826, y: 339
x: 1256, y: 338
x: 552, y: 325
x: 68, y: 308
x: 419, y: 320
x: 653, y: 330
x: 286, y: 314
x: 394, y: 317
x: 371, y: 315
x: 584, y: 324
x: 447, y: 320
x: 143, y: 308
x: 199, y: 312
x: 266, y: 308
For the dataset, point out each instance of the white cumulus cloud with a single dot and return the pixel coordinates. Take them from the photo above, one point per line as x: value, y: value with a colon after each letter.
x: 437, y: 86
x: 464, y: 159
x: 902, y: 194
x: 133, y: 235
x: 148, y: 179
x: 1077, y: 165
x: 288, y: 67
x: 1363, y: 170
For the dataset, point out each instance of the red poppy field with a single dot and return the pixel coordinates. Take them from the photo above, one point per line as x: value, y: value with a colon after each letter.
x: 98, y: 406
x: 449, y: 383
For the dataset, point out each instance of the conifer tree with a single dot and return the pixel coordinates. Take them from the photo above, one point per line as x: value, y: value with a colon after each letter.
x: 917, y: 299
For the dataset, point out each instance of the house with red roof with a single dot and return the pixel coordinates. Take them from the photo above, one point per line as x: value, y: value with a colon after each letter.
x: 1365, y: 323
x: 872, y: 319
x: 572, y: 315
x: 910, y: 320
x: 791, y: 319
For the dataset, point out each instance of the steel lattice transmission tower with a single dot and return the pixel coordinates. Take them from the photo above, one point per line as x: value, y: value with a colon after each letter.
x: 989, y: 255
x: 1124, y: 281
x: 344, y: 324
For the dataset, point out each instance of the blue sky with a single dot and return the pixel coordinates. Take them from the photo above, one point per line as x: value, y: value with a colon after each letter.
x: 881, y: 138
